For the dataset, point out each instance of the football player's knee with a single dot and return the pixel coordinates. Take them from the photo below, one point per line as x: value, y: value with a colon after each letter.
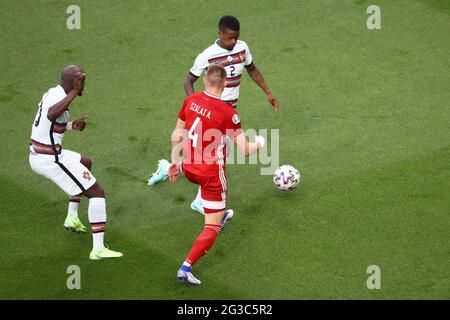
x: 89, y: 163
x: 86, y: 162
x: 96, y: 191
x: 101, y: 192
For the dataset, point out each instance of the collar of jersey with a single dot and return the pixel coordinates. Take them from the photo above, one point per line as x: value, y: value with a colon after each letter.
x: 60, y: 88
x: 211, y: 95
x: 229, y: 51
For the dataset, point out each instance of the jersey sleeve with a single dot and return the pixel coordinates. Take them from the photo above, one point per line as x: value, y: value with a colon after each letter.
x: 248, y: 56
x: 50, y: 99
x: 233, y: 123
x: 200, y: 64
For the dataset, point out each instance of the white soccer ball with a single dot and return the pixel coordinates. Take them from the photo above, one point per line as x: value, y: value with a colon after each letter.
x: 286, y: 177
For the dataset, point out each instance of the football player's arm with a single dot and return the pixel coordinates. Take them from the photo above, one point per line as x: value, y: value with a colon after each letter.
x: 177, y: 146
x: 200, y: 65
x: 246, y: 147
x: 60, y: 107
x: 256, y: 75
x: 189, y: 84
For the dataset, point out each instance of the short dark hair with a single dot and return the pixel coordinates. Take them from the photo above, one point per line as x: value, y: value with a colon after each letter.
x: 216, y: 75
x: 229, y: 22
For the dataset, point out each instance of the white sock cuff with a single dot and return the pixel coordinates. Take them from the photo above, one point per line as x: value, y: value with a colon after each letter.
x: 97, y: 210
x: 97, y: 201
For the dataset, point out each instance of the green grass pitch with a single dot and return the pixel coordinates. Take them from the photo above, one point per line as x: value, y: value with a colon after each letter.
x: 364, y: 115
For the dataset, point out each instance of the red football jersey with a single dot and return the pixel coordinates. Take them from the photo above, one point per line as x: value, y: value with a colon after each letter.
x: 209, y: 121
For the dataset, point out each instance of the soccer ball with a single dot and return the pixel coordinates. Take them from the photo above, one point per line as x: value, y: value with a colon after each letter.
x: 286, y: 177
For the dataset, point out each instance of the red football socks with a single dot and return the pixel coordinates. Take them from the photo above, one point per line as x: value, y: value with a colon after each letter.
x: 203, y: 243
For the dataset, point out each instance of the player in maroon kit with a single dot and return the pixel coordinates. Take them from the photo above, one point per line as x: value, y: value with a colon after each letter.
x: 208, y: 122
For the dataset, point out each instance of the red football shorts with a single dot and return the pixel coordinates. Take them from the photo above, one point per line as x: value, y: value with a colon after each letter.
x: 213, y: 190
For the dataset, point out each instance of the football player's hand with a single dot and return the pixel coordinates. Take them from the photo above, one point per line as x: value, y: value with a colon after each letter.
x: 78, y: 78
x: 174, y: 171
x: 273, y: 101
x: 79, y: 124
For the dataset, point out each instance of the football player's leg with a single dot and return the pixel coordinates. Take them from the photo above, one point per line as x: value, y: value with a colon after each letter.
x: 72, y: 221
x: 214, y: 205
x: 200, y: 247
x: 97, y: 218
x: 219, y: 187
x: 207, y: 237
x: 228, y: 215
x: 197, y: 204
x: 66, y: 173
x: 85, y: 161
x: 161, y: 173
x: 78, y: 179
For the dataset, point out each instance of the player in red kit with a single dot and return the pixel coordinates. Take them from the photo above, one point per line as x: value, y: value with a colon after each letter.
x: 208, y: 122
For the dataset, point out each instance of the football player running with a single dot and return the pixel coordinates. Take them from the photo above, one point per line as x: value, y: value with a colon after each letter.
x: 208, y: 122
